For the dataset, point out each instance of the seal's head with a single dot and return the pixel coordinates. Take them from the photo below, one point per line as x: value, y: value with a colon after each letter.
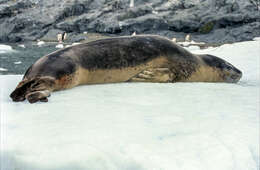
x: 227, y: 71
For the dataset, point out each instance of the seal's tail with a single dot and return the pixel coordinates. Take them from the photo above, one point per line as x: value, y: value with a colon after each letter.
x: 19, y: 93
x: 27, y: 87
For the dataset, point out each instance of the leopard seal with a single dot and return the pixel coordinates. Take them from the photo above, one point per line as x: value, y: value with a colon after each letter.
x: 141, y: 58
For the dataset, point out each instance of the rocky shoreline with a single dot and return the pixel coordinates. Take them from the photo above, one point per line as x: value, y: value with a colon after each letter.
x: 211, y: 21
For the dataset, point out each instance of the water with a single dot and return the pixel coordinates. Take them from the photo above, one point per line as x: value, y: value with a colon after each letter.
x: 19, y: 59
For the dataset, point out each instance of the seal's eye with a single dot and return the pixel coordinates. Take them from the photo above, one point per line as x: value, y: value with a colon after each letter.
x: 229, y: 67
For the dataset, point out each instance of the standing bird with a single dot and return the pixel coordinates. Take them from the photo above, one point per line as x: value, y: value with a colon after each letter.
x: 61, y: 37
x: 132, y: 4
x: 188, y: 38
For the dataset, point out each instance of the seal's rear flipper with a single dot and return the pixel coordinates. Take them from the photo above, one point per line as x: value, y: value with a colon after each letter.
x: 32, y: 89
x: 38, y: 96
x: 19, y: 93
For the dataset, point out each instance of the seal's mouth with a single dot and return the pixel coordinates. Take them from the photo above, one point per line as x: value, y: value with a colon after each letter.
x: 236, y: 77
x: 233, y: 76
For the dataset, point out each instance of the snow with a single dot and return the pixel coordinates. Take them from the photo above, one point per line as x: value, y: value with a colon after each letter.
x: 5, y: 48
x: 18, y: 62
x: 192, y: 47
x: 40, y: 43
x: 77, y: 43
x: 139, y: 126
x: 59, y: 46
x: 3, y: 69
x: 21, y: 45
x: 256, y: 39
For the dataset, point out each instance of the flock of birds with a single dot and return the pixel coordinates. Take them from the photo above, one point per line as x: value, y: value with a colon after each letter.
x: 61, y: 37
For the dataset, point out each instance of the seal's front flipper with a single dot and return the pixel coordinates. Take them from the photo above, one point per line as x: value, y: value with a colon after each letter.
x: 158, y: 75
x: 38, y: 96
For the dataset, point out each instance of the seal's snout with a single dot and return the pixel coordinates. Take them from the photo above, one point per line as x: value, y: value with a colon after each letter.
x: 228, y: 72
x: 236, y: 77
x: 233, y: 75
x: 238, y: 74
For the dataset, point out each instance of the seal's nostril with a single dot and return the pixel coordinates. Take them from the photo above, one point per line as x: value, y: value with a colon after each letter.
x: 238, y: 71
x: 234, y: 76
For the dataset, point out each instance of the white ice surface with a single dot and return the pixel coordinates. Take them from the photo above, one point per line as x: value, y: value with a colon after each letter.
x: 5, y: 48
x: 3, y: 69
x: 139, y: 126
x: 256, y: 39
x: 59, y: 46
x: 40, y: 43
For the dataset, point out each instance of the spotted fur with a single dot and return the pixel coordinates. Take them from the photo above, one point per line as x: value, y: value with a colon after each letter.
x: 144, y: 58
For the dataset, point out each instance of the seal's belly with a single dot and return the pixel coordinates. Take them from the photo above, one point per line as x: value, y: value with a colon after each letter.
x: 123, y: 74
x: 107, y: 75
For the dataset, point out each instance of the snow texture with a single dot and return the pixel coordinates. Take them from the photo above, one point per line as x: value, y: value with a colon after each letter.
x: 3, y: 69
x: 5, y: 48
x: 256, y: 39
x: 139, y: 126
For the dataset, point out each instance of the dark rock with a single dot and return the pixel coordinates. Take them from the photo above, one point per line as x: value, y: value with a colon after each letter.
x: 206, y: 28
x: 73, y: 37
x: 205, y: 20
x: 51, y: 35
